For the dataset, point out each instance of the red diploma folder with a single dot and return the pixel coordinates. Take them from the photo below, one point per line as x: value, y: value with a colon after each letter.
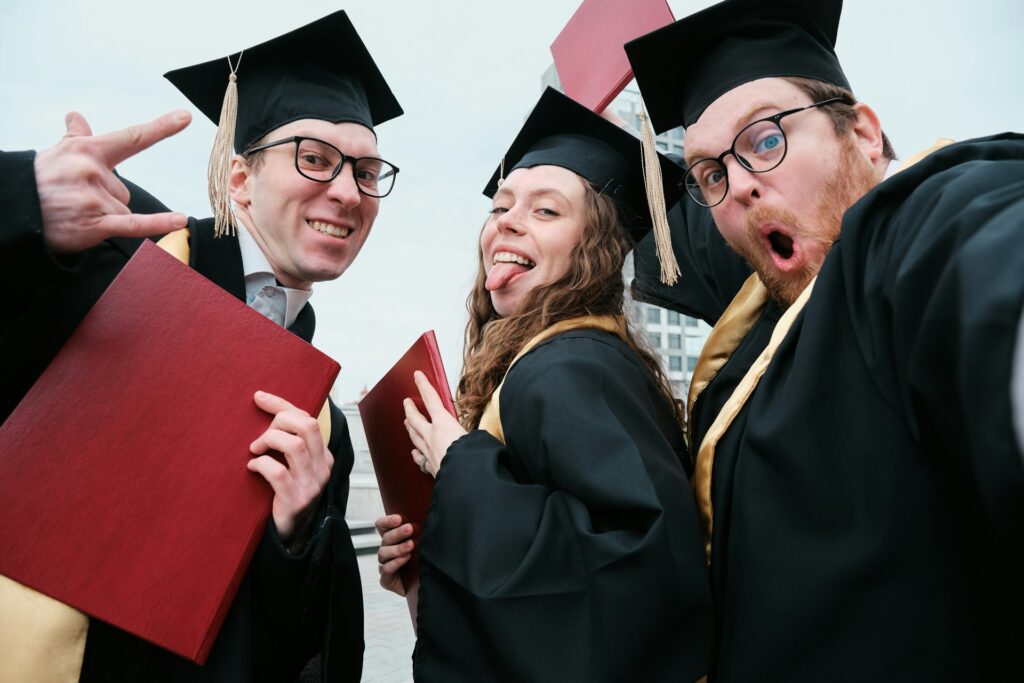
x: 404, y: 489
x: 123, y: 483
x: 589, y: 58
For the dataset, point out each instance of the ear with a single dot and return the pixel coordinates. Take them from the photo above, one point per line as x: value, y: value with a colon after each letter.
x: 240, y: 181
x: 867, y: 132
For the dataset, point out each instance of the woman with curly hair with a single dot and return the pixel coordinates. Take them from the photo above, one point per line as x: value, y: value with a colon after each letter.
x: 562, y: 540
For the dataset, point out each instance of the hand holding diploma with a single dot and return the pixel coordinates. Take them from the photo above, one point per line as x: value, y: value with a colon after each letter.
x: 299, y: 482
x: 431, y: 437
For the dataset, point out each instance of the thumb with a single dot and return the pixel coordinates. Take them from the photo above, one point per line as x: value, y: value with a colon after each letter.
x: 76, y: 125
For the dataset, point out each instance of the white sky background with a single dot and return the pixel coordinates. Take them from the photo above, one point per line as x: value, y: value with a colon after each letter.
x: 467, y: 73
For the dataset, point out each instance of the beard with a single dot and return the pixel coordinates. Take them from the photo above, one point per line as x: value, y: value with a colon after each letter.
x: 853, y: 178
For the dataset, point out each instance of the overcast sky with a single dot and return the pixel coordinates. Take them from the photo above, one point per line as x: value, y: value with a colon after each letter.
x: 466, y: 72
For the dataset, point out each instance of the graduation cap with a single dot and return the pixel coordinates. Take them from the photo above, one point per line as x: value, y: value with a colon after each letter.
x: 685, y: 66
x: 319, y: 71
x: 561, y: 132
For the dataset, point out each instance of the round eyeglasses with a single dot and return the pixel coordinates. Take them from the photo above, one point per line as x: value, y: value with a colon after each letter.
x: 759, y: 147
x: 322, y: 162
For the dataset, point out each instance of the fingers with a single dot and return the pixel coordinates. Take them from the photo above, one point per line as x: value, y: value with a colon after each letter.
x: 431, y: 400
x: 270, y: 403
x: 389, y: 553
x: 293, y: 432
x: 117, y: 146
x: 393, y: 565
x: 389, y: 579
x: 417, y: 438
x: 273, y: 471
x: 140, y: 225
x: 76, y: 125
x: 387, y: 523
x: 414, y: 418
x: 422, y: 462
x: 114, y: 187
x: 397, y: 535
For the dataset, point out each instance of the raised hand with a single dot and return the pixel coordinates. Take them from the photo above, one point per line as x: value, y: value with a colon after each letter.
x: 81, y: 200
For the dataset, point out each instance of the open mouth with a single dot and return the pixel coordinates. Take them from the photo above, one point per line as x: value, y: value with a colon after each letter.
x: 507, y: 267
x: 509, y: 257
x: 330, y: 229
x: 784, y: 252
x: 781, y: 245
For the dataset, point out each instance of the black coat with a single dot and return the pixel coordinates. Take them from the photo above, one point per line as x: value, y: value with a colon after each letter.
x: 869, y: 497
x: 289, y: 608
x: 572, y: 552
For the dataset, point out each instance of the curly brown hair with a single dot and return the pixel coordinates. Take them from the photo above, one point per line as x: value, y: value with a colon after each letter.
x: 593, y: 285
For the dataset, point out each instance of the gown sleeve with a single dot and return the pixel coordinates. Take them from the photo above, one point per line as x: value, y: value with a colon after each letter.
x: 941, y: 299
x: 572, y: 552
x: 711, y: 273
x: 25, y: 263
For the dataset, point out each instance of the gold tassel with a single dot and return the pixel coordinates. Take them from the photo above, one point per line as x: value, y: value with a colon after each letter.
x: 219, y: 170
x: 656, y: 202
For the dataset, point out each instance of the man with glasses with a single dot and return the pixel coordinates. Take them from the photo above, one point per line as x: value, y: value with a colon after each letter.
x: 297, y: 176
x: 857, y: 473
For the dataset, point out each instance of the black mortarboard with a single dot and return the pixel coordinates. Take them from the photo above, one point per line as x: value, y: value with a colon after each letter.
x: 561, y: 132
x: 319, y: 71
x: 685, y: 66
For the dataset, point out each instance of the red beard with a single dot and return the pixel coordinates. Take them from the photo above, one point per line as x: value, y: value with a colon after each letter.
x: 853, y: 178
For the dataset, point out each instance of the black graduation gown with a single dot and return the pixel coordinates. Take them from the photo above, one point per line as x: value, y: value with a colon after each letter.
x: 571, y: 553
x: 869, y: 497
x: 288, y: 607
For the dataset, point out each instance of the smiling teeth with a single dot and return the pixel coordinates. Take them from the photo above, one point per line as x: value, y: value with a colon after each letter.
x: 507, y: 257
x: 330, y: 229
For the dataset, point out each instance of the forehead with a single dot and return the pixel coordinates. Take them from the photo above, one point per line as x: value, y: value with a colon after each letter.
x: 726, y: 115
x: 544, y: 177
x: 351, y: 138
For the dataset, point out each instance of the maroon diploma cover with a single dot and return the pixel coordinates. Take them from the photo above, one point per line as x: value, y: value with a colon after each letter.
x: 124, y: 491
x: 589, y: 58
x: 404, y: 489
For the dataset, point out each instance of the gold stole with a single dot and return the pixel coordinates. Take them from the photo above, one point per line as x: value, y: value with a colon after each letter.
x: 730, y: 330
x: 42, y: 640
x: 490, y: 421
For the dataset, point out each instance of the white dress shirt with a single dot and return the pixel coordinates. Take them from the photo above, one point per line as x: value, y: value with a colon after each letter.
x: 262, y: 292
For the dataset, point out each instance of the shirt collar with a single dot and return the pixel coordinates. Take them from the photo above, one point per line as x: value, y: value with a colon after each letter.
x: 259, y: 274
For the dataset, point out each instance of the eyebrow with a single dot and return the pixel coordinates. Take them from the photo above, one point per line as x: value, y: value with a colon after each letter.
x: 374, y: 153
x: 757, y: 108
x: 535, y: 193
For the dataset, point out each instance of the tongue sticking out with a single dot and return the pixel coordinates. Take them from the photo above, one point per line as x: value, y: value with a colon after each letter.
x: 501, y: 273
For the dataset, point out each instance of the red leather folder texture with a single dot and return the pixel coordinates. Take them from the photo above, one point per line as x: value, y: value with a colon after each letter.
x: 123, y: 483
x: 589, y: 58
x: 404, y: 489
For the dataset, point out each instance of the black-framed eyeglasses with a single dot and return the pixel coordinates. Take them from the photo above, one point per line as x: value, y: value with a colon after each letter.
x: 322, y: 162
x: 759, y: 147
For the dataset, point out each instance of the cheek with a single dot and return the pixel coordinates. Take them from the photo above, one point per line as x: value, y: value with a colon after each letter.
x: 488, y: 234
x: 730, y: 223
x: 369, y: 209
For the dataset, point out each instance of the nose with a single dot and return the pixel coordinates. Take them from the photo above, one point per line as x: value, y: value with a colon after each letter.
x: 509, y: 222
x: 343, y: 188
x: 744, y: 185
